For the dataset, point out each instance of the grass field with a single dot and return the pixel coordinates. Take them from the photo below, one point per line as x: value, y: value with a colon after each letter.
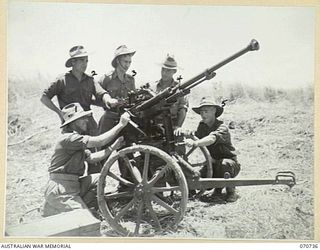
x: 273, y: 132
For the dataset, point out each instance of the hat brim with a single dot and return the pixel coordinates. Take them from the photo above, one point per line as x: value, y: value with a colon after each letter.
x: 218, y: 112
x: 167, y: 67
x: 68, y: 62
x: 77, y: 116
x: 113, y: 62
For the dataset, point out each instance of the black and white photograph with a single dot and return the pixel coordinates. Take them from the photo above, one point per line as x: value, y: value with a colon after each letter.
x: 161, y: 121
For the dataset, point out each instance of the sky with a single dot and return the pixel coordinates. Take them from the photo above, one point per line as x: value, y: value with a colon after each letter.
x: 41, y: 34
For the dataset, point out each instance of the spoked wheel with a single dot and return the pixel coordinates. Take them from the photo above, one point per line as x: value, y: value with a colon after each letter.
x: 146, y: 202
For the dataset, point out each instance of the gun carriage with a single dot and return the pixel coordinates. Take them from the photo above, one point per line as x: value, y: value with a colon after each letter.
x: 162, y: 170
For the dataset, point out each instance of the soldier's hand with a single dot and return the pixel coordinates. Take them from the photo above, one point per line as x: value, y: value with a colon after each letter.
x: 178, y: 132
x: 113, y: 102
x: 118, y: 143
x: 124, y: 119
x: 191, y: 143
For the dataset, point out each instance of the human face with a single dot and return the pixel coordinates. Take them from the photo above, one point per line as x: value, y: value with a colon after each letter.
x: 80, y: 64
x: 167, y: 74
x: 124, y: 62
x: 208, y: 114
x: 81, y: 125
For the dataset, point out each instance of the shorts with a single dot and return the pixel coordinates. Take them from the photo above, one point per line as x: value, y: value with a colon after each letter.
x: 66, y: 192
x: 220, y: 167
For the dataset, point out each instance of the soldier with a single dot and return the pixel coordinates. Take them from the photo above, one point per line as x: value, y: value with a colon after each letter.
x: 68, y: 188
x: 214, y: 135
x: 75, y: 86
x: 117, y: 83
x: 179, y: 109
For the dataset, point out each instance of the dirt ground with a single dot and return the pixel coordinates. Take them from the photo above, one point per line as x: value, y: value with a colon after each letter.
x: 269, y: 137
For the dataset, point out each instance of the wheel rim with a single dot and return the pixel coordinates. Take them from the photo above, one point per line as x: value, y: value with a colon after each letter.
x: 198, y: 157
x: 149, y: 203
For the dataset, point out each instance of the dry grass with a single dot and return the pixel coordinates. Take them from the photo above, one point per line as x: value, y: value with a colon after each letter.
x: 273, y: 132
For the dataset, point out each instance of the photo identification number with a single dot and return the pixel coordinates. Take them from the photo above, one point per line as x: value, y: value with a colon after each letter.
x: 308, y: 246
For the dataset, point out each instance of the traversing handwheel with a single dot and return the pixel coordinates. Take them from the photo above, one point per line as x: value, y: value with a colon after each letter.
x: 199, y: 157
x: 145, y: 201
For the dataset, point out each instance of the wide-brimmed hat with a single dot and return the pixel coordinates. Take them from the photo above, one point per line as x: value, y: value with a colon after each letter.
x: 75, y: 52
x: 72, y: 112
x: 121, y: 50
x: 169, y: 62
x: 205, y: 101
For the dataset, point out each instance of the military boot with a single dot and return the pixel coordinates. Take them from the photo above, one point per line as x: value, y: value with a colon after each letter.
x: 231, y: 194
x: 217, y: 192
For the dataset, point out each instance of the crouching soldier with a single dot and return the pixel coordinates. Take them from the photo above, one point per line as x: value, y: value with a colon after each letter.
x: 213, y: 134
x: 67, y: 188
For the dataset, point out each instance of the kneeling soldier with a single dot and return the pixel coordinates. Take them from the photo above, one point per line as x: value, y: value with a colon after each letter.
x: 68, y: 188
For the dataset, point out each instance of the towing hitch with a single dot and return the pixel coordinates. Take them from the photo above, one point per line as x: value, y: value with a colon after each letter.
x: 282, y: 178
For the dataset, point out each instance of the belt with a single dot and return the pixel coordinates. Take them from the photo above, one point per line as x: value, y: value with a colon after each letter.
x: 65, y: 177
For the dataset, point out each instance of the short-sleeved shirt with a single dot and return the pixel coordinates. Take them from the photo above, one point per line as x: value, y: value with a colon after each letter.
x: 222, y: 148
x: 70, y: 154
x: 69, y: 89
x: 115, y: 87
x: 181, y: 103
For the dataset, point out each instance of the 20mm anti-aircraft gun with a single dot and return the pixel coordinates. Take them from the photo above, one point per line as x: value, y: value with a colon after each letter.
x: 156, y: 194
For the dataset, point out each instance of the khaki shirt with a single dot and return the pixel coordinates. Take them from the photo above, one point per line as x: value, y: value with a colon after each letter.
x: 222, y: 148
x: 181, y: 103
x: 115, y: 87
x: 69, y: 89
x: 70, y: 154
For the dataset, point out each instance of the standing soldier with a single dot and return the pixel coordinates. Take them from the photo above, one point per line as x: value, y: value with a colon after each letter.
x: 75, y: 87
x: 179, y: 109
x: 117, y: 83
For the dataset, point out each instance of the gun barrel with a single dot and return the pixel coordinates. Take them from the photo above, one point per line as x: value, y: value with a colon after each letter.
x: 169, y: 94
x: 254, y: 45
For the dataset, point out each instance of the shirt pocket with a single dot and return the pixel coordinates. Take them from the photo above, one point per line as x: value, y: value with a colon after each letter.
x: 87, y: 94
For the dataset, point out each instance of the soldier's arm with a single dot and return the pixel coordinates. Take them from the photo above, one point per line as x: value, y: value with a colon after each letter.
x: 102, y: 154
x: 102, y: 89
x: 221, y: 135
x: 48, y: 94
x: 107, y: 137
x: 49, y: 104
x: 181, y: 116
x: 205, y: 141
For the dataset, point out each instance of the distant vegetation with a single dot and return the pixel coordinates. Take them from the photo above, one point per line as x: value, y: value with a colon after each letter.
x: 244, y: 93
x: 24, y: 95
x: 22, y: 88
